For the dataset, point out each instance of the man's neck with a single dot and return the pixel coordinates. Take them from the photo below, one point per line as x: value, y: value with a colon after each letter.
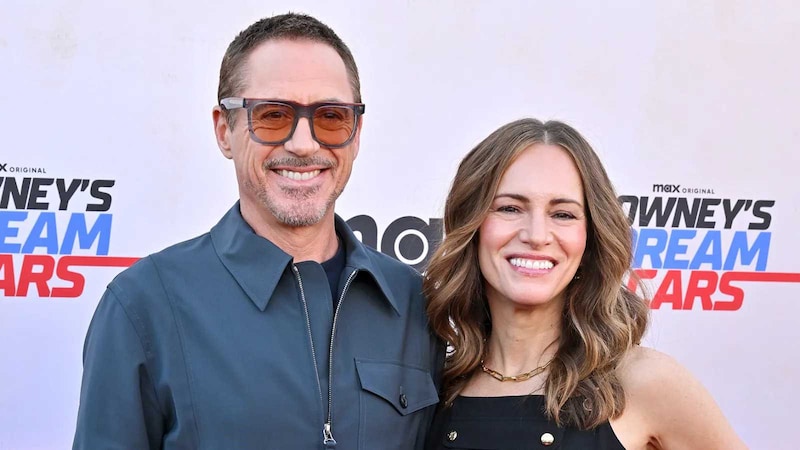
x: 309, y: 243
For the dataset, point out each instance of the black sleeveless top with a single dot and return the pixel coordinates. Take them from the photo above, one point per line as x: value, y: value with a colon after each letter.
x: 510, y: 423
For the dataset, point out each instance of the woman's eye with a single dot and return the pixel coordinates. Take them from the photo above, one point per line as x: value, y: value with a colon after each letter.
x: 564, y: 215
x: 508, y: 209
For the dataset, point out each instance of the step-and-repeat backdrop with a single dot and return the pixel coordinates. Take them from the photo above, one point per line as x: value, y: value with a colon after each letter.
x: 107, y: 154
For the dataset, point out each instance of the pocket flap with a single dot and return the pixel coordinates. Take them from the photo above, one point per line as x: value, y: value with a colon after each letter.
x: 407, y: 388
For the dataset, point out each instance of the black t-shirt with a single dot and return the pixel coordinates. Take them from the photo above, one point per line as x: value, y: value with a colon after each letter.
x: 334, y: 268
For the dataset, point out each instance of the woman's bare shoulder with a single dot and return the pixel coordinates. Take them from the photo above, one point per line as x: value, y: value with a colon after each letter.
x: 645, y: 368
x: 671, y: 403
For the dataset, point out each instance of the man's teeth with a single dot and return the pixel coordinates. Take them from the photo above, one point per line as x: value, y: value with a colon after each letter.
x: 537, y: 264
x: 299, y: 175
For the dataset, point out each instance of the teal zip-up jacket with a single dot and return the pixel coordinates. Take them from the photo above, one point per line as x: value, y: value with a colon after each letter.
x: 224, y: 342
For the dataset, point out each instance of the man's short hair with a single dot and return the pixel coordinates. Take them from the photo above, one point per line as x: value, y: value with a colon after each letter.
x: 285, y: 26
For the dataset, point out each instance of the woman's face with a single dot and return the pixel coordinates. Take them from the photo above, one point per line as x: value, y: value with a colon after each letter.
x: 532, y: 241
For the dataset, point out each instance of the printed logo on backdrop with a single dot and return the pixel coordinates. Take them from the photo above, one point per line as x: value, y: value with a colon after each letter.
x: 52, y: 230
x: 698, y: 249
x: 408, y: 239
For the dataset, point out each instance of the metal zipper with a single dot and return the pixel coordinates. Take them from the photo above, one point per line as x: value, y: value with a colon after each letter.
x: 308, y: 328
x: 327, y: 429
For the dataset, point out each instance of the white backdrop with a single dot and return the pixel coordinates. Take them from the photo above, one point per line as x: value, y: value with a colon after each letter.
x: 700, y: 95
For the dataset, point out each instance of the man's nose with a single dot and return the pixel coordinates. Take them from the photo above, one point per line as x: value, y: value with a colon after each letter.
x: 302, y: 143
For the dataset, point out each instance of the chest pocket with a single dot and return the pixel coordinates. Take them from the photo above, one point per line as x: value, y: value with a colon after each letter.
x: 392, y: 401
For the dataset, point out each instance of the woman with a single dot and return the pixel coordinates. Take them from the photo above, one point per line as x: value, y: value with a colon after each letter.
x: 527, y: 288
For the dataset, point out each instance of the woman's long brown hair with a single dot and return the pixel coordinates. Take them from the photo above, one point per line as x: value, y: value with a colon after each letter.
x: 602, y: 319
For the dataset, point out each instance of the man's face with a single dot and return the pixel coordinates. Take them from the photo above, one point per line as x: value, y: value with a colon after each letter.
x: 295, y: 183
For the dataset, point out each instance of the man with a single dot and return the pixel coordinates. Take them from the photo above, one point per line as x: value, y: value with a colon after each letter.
x: 278, y: 328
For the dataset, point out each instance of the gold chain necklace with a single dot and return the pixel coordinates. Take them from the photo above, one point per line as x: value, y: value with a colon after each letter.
x: 521, y: 377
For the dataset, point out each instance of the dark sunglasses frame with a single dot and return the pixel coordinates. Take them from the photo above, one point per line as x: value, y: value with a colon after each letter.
x: 301, y: 110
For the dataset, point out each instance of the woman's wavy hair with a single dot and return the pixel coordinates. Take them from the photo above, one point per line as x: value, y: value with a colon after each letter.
x: 602, y: 318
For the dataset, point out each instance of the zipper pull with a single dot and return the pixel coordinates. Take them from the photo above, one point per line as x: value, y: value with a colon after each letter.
x: 327, y: 436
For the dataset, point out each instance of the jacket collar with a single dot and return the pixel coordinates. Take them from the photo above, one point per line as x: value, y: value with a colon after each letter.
x: 258, y: 265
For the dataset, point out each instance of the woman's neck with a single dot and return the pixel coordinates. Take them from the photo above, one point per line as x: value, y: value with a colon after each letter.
x: 522, y: 339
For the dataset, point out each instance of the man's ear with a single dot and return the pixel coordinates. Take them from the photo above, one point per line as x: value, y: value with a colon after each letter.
x: 222, y: 131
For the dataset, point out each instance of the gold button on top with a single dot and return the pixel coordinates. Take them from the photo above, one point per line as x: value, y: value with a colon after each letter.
x: 451, y: 436
x: 548, y: 439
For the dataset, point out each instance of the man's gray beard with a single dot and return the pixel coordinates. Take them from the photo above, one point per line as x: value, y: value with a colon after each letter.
x: 297, y: 216
x: 300, y: 215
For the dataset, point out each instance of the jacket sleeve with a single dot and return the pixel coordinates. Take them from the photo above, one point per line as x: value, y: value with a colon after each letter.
x: 118, y: 405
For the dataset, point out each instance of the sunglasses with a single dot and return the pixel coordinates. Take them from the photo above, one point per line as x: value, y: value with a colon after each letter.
x: 272, y: 122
